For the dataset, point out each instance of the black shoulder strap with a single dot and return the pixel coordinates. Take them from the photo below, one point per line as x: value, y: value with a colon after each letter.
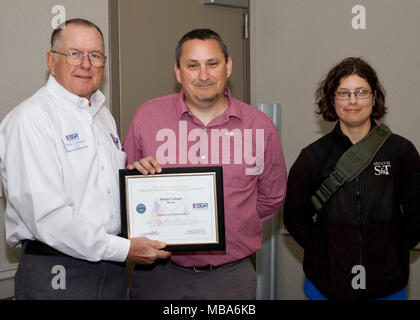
x: 351, y: 164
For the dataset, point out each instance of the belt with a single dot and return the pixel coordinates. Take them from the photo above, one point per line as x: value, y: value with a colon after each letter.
x: 39, y: 248
x: 206, y: 268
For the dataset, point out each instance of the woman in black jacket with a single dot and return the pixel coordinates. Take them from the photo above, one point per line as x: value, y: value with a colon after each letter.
x: 357, y: 246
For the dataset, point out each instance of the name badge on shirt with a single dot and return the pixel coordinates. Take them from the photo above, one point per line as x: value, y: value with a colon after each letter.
x: 73, y: 142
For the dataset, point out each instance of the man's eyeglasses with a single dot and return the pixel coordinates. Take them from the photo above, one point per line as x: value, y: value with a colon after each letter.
x: 75, y: 58
x: 359, y: 94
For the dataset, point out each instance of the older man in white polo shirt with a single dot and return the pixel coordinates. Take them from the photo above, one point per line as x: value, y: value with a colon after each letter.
x: 59, y: 160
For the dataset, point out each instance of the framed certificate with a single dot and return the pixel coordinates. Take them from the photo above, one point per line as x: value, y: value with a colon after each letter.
x: 183, y: 207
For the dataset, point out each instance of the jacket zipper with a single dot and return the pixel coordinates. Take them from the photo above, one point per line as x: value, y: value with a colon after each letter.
x: 359, y: 218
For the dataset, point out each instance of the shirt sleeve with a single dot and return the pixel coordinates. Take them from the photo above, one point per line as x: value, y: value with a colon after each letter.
x: 410, y: 193
x: 37, y: 194
x: 273, y: 180
x: 298, y: 210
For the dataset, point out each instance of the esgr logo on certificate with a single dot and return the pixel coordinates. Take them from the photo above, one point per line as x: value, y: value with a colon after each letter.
x: 200, y: 206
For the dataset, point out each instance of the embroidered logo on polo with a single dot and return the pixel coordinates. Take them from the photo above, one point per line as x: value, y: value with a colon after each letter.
x: 116, y: 141
x: 73, y: 142
x: 382, y: 168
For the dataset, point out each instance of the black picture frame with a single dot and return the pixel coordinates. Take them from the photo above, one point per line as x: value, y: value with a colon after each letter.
x: 219, y: 244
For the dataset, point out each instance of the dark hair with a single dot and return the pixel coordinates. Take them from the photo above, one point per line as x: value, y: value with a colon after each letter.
x: 325, y: 93
x: 201, y: 34
x: 56, y: 35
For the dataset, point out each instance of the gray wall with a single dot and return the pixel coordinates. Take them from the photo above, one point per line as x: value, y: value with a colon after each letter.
x: 294, y: 43
x: 25, y: 30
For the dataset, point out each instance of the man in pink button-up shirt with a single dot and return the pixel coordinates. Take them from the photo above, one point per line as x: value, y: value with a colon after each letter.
x: 204, y: 126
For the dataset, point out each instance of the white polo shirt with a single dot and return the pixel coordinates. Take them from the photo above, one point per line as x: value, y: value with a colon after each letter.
x: 59, y: 161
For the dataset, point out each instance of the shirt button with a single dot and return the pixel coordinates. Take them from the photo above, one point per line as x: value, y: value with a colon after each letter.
x: 203, y: 157
x: 108, y: 191
x: 102, y: 168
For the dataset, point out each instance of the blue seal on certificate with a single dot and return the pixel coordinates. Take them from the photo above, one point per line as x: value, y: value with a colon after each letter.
x: 141, y: 208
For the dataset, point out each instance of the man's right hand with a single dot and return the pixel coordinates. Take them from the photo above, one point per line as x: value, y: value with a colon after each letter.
x: 146, y: 251
x: 148, y: 165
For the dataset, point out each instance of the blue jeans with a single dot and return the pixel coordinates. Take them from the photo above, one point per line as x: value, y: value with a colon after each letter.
x: 312, y: 293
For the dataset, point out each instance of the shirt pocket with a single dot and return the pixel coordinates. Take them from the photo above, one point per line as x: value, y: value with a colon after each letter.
x: 120, y: 158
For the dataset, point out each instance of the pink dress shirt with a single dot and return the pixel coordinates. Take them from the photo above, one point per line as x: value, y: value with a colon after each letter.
x: 253, y: 192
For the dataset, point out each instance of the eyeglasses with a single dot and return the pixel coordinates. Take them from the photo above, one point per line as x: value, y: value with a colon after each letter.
x: 359, y: 94
x: 75, y: 58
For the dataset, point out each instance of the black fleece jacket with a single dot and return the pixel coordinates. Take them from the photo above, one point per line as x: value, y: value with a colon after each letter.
x: 372, y: 221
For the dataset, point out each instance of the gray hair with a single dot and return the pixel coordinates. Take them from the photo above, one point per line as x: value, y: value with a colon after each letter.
x: 56, y: 36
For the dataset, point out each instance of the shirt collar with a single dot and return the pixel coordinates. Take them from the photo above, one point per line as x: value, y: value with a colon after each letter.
x: 233, y: 109
x: 96, y: 100
x: 342, y: 139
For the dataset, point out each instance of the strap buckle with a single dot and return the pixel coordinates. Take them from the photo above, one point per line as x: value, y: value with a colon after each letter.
x: 338, y: 176
x: 327, y: 188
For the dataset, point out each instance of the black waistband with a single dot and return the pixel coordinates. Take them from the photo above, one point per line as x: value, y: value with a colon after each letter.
x: 209, y: 267
x: 38, y: 248
x: 206, y: 268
